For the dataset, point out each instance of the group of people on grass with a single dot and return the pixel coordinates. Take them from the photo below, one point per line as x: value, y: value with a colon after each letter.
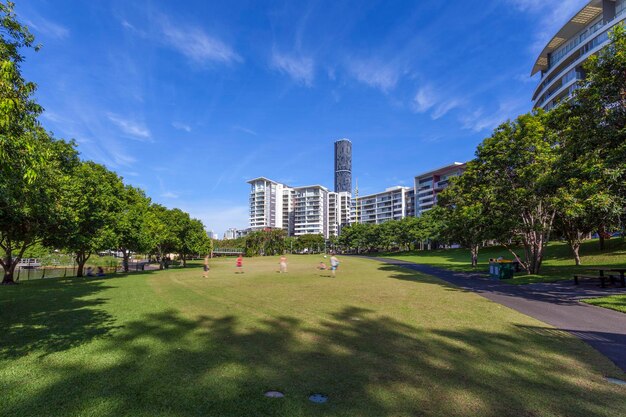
x: 99, y: 272
x: 334, y: 264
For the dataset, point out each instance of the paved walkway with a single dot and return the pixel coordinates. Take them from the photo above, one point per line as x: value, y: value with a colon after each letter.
x: 554, y: 303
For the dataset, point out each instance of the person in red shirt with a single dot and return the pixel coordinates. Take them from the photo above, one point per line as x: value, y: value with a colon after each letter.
x: 240, y: 264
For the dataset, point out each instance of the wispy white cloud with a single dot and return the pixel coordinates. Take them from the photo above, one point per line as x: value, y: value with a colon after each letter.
x: 196, y: 45
x: 181, y: 126
x: 424, y: 99
x: 47, y: 28
x: 479, y: 119
x: 300, y: 68
x: 134, y: 129
x: 245, y: 130
x: 169, y: 194
x: 428, y: 98
x: 375, y: 74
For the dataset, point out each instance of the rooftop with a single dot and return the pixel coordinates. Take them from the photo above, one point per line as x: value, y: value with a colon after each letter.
x: 578, y: 22
x: 442, y: 169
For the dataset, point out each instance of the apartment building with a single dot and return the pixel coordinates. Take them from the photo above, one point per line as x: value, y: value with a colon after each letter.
x: 266, y: 204
x: 561, y: 60
x: 339, y: 209
x: 429, y: 184
x: 311, y: 210
x: 392, y: 204
x: 297, y: 210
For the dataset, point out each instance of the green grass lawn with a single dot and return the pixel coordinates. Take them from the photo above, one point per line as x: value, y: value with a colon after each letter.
x: 378, y: 340
x: 558, y: 263
x: 614, y: 302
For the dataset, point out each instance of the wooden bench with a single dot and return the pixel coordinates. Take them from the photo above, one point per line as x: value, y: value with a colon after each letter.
x: 602, y: 279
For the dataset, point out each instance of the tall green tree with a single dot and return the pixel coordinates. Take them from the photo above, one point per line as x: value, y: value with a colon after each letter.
x: 161, y: 237
x: 30, y: 205
x: 32, y: 163
x: 18, y: 108
x: 130, y: 225
x: 463, y: 212
x: 592, y: 133
x: 91, y: 206
x: 516, y: 166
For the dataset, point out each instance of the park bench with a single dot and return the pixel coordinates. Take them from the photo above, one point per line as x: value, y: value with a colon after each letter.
x: 602, y: 279
x: 621, y: 272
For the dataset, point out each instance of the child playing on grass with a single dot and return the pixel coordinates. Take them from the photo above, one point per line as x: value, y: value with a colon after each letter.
x: 334, y: 264
x: 283, y: 264
x: 239, y: 264
x: 206, y: 267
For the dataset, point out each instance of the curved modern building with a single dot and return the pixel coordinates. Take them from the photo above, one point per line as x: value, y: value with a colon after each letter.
x: 561, y: 61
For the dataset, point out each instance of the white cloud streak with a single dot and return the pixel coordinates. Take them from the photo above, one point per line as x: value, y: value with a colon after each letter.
x: 48, y: 28
x: 479, y: 120
x: 375, y: 74
x: 181, y: 126
x: 130, y: 127
x: 198, y: 46
x: 300, y: 69
x: 428, y: 99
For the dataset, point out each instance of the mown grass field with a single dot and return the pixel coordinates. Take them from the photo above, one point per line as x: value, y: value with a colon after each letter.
x: 558, y: 262
x: 378, y: 340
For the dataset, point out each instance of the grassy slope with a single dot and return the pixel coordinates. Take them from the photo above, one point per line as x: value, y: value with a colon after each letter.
x: 381, y: 341
x: 558, y: 264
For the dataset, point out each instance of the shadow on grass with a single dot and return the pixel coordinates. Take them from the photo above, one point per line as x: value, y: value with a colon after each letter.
x: 368, y: 365
x: 53, y: 315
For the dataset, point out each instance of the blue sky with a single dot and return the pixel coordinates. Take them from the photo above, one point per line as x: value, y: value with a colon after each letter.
x: 190, y: 99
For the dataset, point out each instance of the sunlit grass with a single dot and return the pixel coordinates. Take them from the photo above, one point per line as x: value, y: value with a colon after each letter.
x: 558, y: 262
x: 614, y: 302
x: 378, y: 340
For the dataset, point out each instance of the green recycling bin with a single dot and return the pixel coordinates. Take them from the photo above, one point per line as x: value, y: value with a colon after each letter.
x: 507, y: 270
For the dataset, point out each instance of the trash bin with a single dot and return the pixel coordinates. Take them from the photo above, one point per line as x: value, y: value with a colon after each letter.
x: 494, y: 269
x: 507, y: 270
x: 501, y: 269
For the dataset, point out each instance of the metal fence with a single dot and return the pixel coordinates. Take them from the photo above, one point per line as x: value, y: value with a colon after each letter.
x: 69, y: 271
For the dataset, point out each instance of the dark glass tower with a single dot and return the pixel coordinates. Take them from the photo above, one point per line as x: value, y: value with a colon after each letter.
x: 343, y: 166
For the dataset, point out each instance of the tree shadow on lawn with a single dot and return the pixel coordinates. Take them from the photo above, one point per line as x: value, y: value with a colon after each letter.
x: 368, y: 365
x: 52, y: 315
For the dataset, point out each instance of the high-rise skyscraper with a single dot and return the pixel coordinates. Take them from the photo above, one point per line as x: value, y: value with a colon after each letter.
x: 343, y: 166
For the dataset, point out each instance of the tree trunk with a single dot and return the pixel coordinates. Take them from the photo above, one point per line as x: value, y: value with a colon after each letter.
x: 81, y: 260
x: 9, y: 270
x: 9, y: 263
x: 601, y: 240
x: 125, y: 259
x: 474, y: 250
x: 575, y: 248
x: 602, y: 235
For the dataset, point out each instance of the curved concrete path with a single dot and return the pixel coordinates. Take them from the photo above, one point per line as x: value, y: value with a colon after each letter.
x: 554, y: 303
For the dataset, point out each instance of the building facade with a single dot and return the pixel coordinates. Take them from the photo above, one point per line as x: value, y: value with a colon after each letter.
x: 343, y: 166
x: 266, y: 204
x: 297, y: 210
x: 429, y: 184
x: 311, y: 211
x: 561, y: 61
x: 392, y: 204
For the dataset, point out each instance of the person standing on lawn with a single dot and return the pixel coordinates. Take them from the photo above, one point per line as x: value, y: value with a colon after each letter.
x: 334, y: 264
x: 240, y: 264
x: 283, y: 264
x: 206, y: 267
